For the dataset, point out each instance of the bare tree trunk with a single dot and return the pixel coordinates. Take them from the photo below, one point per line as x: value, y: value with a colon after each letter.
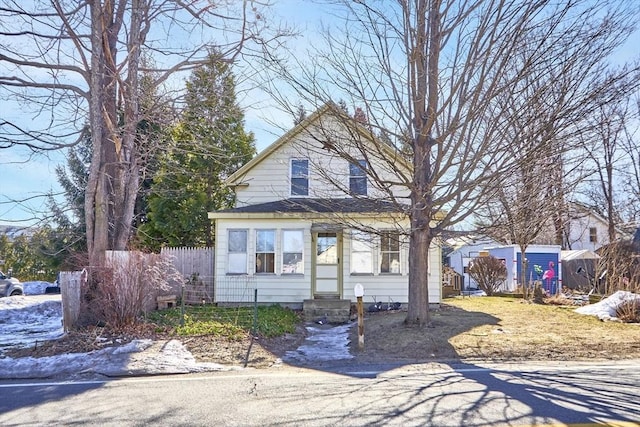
x: 421, y: 238
x: 129, y: 178
x: 424, y: 63
x: 95, y: 207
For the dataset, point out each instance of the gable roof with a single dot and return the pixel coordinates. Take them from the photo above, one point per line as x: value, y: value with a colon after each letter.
x: 328, y: 108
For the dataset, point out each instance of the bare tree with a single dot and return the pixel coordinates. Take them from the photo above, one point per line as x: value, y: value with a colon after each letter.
x: 430, y: 75
x: 603, y: 146
x: 84, y: 65
x: 631, y: 173
x: 546, y: 119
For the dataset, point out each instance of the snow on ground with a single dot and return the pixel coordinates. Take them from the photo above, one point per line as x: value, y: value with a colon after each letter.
x: 139, y: 357
x: 606, y: 309
x: 25, y: 320
x: 36, y: 288
x: 28, y: 319
x: 323, y: 343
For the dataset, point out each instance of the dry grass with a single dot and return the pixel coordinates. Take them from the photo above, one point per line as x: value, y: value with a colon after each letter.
x: 524, y: 330
x: 497, y: 328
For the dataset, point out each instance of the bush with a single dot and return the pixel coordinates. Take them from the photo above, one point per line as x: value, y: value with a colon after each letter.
x: 128, y: 286
x: 621, y: 262
x: 489, y: 273
x: 629, y: 311
x: 227, y: 322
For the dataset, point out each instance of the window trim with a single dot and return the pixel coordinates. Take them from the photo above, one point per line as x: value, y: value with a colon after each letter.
x: 292, y: 177
x: 246, y: 251
x: 282, y: 251
x: 256, y: 252
x: 353, y: 178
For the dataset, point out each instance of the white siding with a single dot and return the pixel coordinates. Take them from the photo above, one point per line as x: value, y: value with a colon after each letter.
x: 269, y: 180
x: 284, y: 288
x: 272, y: 288
x: 579, y: 232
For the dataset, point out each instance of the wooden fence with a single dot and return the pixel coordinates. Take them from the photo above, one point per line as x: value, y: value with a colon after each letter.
x: 196, y: 266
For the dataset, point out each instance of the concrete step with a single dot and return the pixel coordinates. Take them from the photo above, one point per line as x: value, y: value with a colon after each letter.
x: 326, y: 310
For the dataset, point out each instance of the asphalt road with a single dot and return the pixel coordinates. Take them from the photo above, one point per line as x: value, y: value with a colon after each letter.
x: 413, y: 395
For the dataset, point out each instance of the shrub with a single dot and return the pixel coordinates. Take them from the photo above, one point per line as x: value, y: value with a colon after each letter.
x: 489, y: 273
x: 129, y: 285
x: 629, y: 311
x: 620, y: 261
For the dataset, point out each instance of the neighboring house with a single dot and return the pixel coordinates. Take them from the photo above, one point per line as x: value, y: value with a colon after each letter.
x: 546, y: 257
x: 586, y: 230
x: 466, y: 249
x: 14, y: 231
x: 309, y: 225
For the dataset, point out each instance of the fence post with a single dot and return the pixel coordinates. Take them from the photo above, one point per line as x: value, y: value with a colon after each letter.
x: 182, y: 305
x: 70, y: 284
x: 255, y: 311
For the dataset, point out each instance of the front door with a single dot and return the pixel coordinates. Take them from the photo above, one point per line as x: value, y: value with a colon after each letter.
x: 327, y: 277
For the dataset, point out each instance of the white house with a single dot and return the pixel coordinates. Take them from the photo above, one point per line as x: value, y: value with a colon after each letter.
x: 309, y: 224
x: 586, y: 230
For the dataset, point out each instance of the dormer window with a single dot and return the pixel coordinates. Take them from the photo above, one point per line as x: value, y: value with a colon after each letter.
x: 358, y: 178
x: 299, y: 177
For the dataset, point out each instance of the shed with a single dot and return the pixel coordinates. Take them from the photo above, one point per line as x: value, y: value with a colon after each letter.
x: 579, y: 268
x: 547, y: 257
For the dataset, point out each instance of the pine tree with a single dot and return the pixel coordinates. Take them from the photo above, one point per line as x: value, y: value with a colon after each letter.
x: 206, y: 146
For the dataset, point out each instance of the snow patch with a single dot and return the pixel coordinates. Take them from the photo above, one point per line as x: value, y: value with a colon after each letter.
x: 36, y: 288
x: 606, y: 309
x: 323, y: 343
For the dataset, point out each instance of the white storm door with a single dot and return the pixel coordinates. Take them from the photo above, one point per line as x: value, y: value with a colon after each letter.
x: 327, y: 264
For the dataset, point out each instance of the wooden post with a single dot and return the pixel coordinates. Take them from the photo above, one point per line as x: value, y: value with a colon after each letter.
x: 360, y: 324
x: 70, y: 284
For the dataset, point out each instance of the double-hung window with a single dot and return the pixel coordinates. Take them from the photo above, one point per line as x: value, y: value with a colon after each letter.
x: 237, y: 252
x: 265, y: 251
x: 358, y: 178
x: 299, y: 177
x: 292, y: 252
x: 361, y: 253
x: 390, y: 252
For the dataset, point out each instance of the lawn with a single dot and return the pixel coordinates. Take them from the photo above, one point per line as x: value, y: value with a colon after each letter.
x: 498, y: 328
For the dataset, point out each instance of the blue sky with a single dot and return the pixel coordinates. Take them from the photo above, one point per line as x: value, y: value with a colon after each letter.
x: 27, y: 176
x: 24, y: 175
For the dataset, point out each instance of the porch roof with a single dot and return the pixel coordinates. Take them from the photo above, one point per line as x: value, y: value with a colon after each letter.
x: 313, y: 205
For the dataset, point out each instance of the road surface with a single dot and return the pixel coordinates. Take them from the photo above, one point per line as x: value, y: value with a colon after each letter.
x: 413, y: 395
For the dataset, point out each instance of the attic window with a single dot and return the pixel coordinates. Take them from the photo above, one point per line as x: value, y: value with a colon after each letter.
x: 358, y: 178
x: 593, y: 235
x: 299, y: 177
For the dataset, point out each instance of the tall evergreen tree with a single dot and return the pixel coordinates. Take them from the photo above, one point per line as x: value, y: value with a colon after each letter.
x: 207, y: 145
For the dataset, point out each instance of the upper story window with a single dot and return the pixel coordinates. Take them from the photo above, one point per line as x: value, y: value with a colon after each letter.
x: 237, y: 252
x: 265, y: 251
x: 390, y: 252
x: 358, y: 178
x: 593, y: 235
x: 299, y: 177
